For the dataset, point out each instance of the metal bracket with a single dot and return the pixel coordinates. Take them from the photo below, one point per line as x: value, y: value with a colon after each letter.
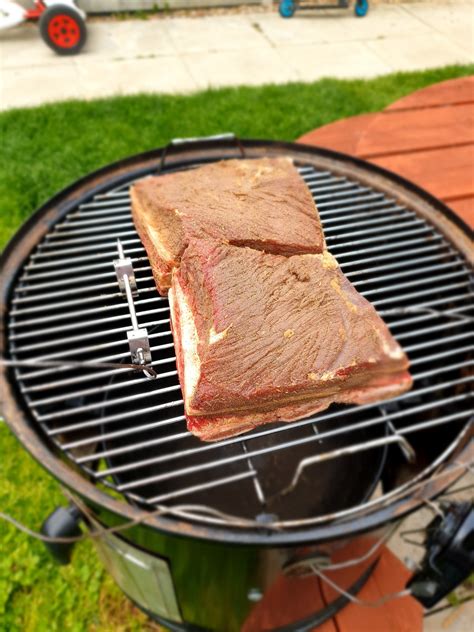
x: 139, y: 346
x: 333, y: 454
x: 405, y: 446
x: 138, y: 341
x: 124, y: 268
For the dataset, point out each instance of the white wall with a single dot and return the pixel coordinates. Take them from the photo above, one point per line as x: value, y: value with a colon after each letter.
x: 104, y: 6
x: 129, y: 5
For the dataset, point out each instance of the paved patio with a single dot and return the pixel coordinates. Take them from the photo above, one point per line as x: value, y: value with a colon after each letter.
x: 183, y: 54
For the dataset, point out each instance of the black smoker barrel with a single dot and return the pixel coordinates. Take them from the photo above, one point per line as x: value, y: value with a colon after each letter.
x: 214, y: 530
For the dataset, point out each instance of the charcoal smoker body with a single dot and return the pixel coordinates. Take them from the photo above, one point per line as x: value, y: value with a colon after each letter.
x: 201, y: 570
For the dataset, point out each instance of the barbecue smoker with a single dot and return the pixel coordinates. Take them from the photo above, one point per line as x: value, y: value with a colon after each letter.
x: 216, y: 526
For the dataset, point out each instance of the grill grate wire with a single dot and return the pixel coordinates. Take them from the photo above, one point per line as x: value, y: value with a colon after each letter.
x: 67, y: 306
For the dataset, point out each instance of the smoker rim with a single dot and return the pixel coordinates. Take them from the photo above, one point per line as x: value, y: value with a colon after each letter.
x: 113, y: 175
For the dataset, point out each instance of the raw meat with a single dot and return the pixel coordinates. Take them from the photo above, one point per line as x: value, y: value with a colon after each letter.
x: 262, y: 203
x: 262, y: 337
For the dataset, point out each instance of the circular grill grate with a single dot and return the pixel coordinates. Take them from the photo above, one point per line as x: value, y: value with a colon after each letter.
x: 129, y: 433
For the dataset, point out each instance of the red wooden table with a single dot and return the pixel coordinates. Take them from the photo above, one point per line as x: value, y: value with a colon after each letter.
x: 426, y: 137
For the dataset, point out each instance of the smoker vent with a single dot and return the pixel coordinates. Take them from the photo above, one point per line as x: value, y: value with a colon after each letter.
x: 128, y: 433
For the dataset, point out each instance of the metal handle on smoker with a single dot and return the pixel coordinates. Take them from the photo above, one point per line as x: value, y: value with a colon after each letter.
x: 228, y: 137
x: 63, y: 522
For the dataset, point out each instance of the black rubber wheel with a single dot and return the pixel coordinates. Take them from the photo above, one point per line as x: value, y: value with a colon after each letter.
x: 63, y: 29
x: 361, y: 8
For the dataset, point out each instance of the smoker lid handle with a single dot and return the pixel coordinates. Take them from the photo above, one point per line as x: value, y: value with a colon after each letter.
x: 227, y: 138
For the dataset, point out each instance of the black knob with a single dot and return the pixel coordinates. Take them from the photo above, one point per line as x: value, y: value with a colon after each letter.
x: 449, y: 557
x: 62, y: 523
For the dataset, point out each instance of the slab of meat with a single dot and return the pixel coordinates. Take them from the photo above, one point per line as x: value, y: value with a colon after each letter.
x: 260, y: 203
x: 261, y: 337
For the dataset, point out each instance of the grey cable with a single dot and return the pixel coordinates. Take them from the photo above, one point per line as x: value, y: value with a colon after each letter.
x: 178, y: 511
x: 361, y: 602
x: 352, y: 562
x: 73, y: 364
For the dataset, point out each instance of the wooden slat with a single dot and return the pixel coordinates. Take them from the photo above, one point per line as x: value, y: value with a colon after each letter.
x: 427, y: 137
x: 390, y: 576
x: 288, y: 600
x: 342, y: 135
x: 415, y: 130
x: 446, y: 173
x: 440, y: 94
x: 291, y: 599
x: 464, y: 208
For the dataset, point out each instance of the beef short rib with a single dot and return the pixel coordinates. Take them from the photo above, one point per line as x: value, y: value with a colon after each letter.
x: 261, y: 337
x: 262, y: 203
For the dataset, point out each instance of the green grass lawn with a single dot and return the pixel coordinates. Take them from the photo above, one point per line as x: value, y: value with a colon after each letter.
x: 43, y: 149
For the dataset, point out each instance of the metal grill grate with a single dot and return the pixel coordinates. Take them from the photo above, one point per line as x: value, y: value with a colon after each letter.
x: 129, y: 433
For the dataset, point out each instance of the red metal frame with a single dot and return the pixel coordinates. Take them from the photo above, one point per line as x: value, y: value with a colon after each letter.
x: 35, y: 14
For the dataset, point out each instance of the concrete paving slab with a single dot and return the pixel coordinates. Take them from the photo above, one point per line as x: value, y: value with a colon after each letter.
x: 391, y: 21
x: 442, y: 17
x: 216, y: 33
x: 315, y: 27
x: 323, y: 60
x: 459, y: 619
x: 303, y: 28
x: 423, y: 51
x: 246, y: 67
x: 21, y: 48
x: 183, y: 54
x: 455, y: 21
x: 124, y: 40
x: 20, y: 86
x: 127, y: 77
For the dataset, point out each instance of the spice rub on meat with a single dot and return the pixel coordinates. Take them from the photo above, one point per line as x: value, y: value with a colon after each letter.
x: 262, y: 337
x: 261, y: 203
